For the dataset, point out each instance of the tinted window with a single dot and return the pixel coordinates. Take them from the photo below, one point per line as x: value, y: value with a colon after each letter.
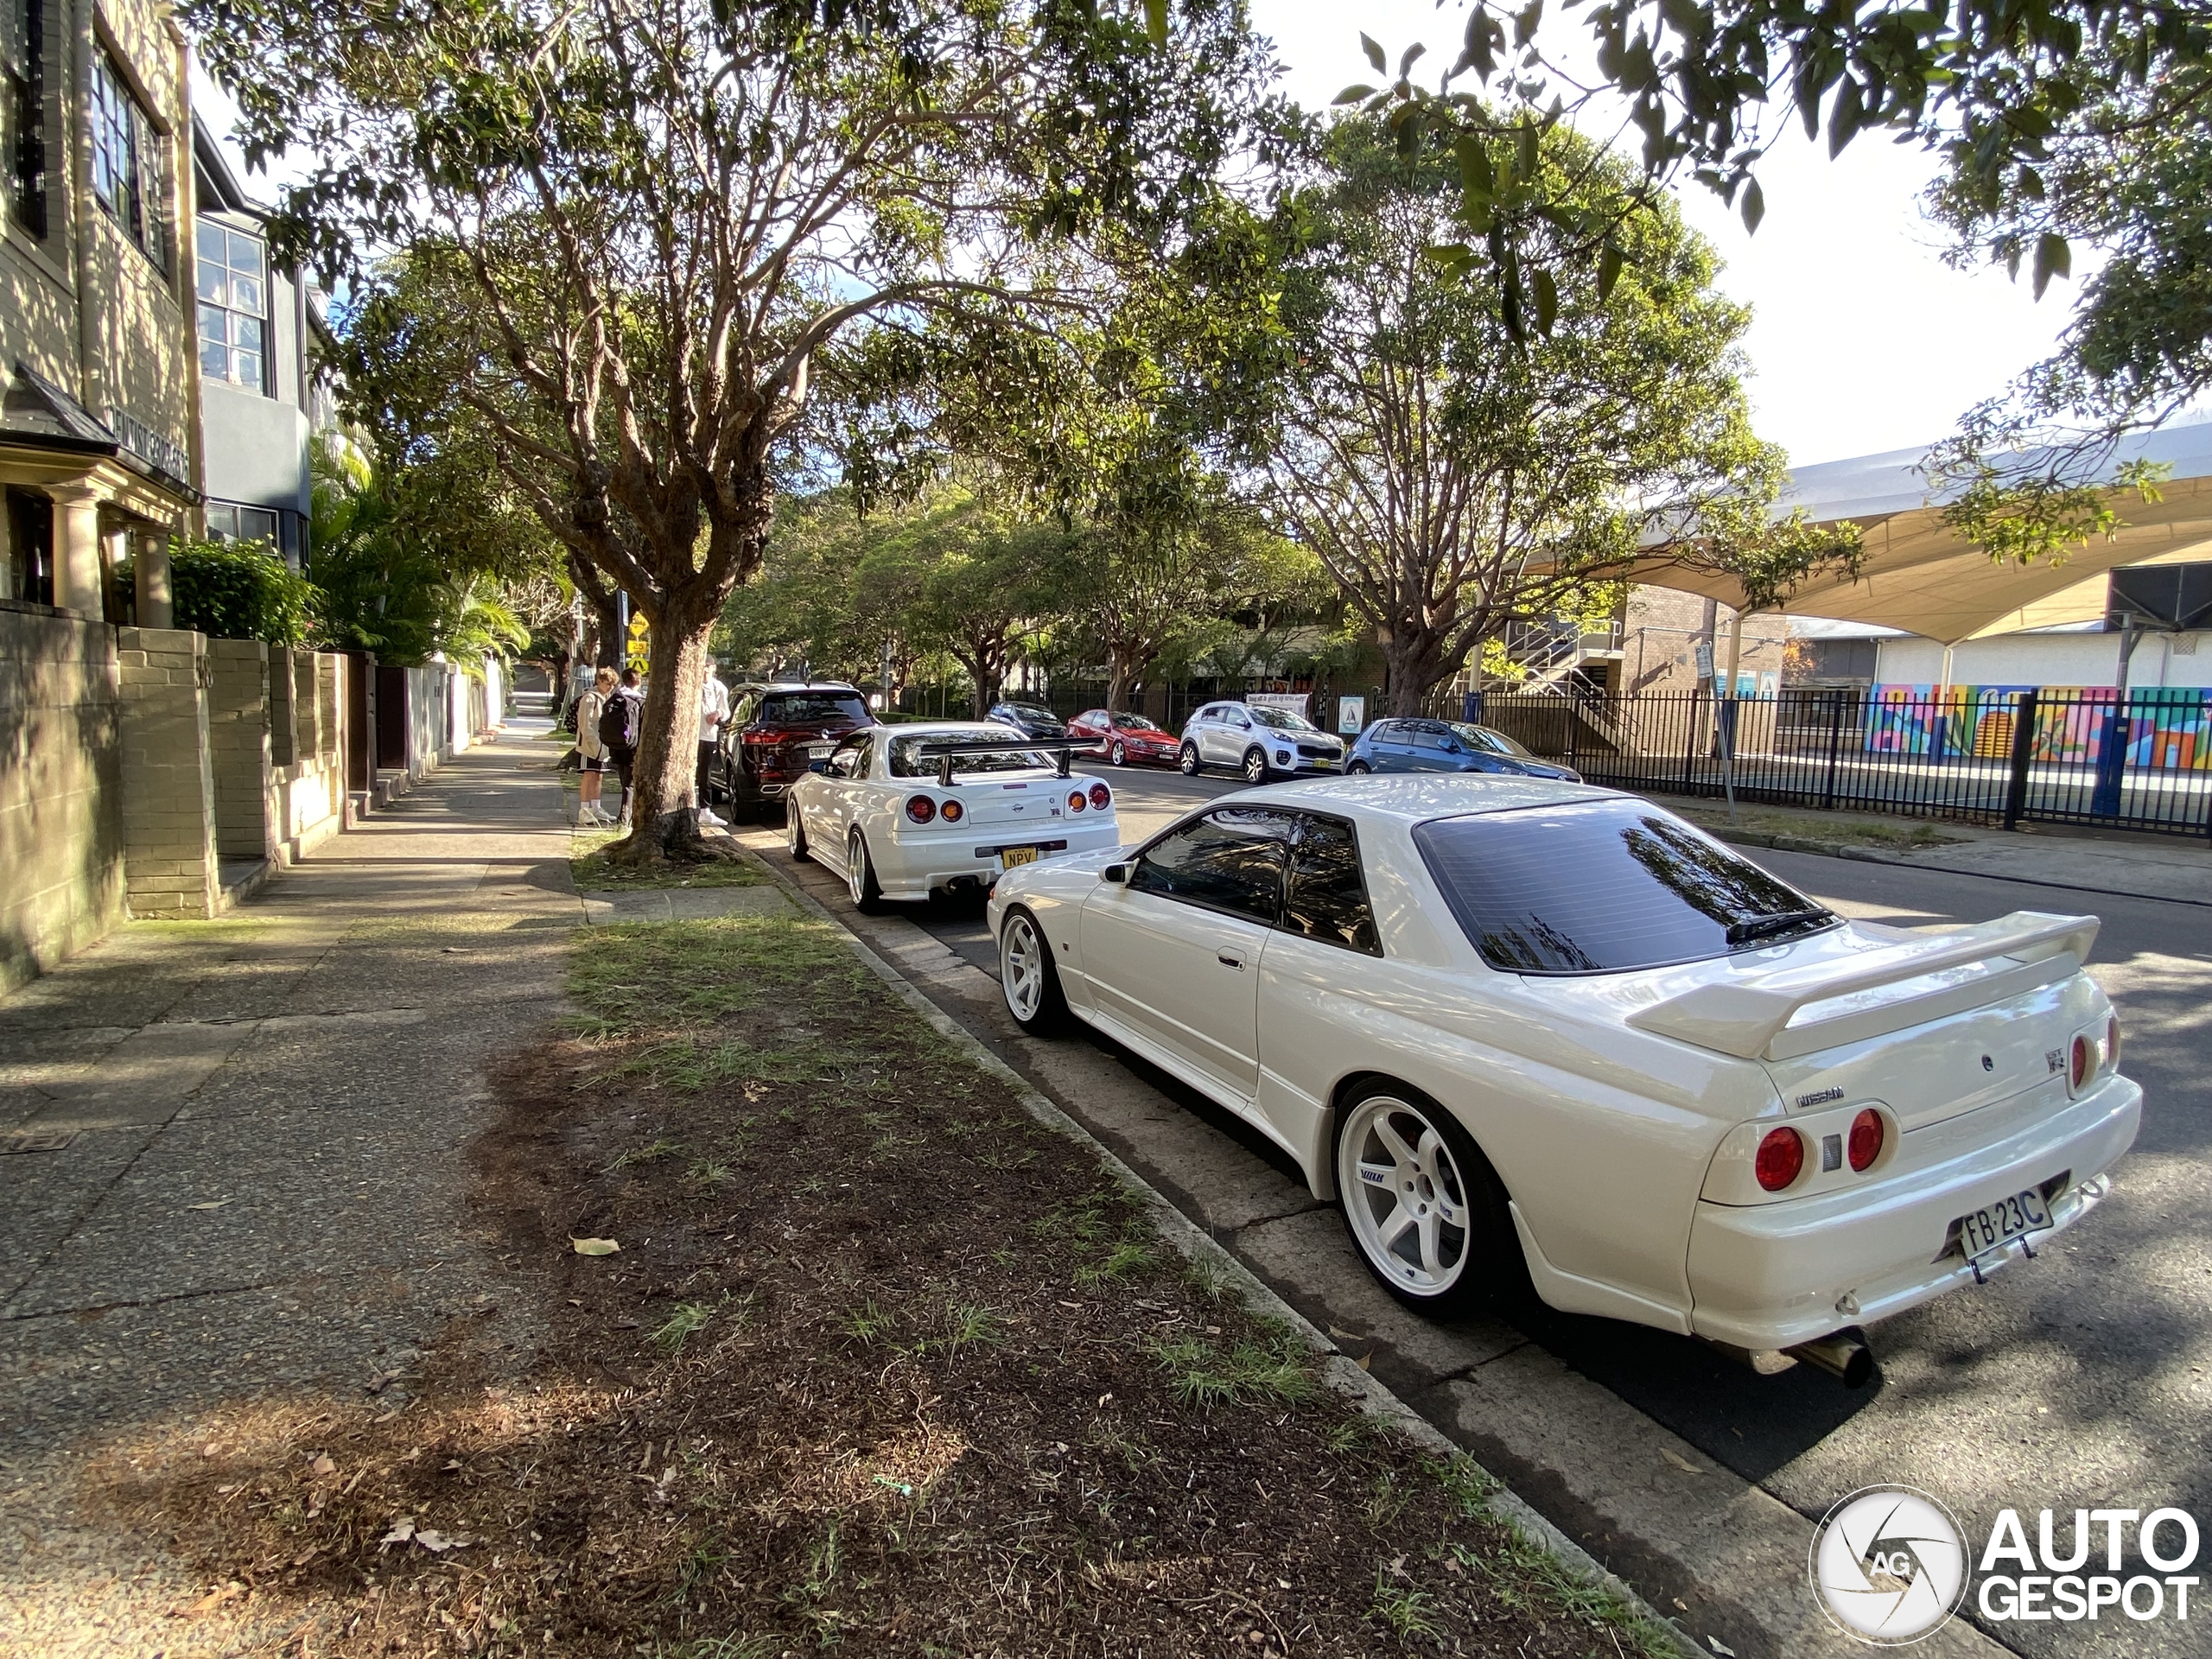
x: 1231, y: 859
x: 1281, y: 719
x: 1483, y: 737
x: 1428, y: 738
x: 1604, y: 886
x: 801, y: 707
x: 1134, y: 724
x: 1325, y: 897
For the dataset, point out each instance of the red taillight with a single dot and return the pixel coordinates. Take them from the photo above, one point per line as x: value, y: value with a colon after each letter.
x: 2111, y: 1043
x: 1781, y: 1159
x: 1076, y: 802
x: 1867, y: 1136
x: 1101, y: 796
x: 920, y: 808
x: 2083, y: 1063
x: 952, y: 811
x: 761, y: 737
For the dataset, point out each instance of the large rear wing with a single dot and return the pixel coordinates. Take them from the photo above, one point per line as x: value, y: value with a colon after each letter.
x: 943, y: 751
x: 1758, y: 1015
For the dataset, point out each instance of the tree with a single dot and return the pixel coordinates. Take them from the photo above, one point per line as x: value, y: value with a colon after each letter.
x: 2062, y: 124
x: 1456, y: 471
x: 984, y: 581
x: 652, y: 226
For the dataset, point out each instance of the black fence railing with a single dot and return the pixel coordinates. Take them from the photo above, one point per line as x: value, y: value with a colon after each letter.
x: 2138, y: 760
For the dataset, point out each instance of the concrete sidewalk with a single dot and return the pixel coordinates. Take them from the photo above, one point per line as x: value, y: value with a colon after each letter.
x: 240, y: 1177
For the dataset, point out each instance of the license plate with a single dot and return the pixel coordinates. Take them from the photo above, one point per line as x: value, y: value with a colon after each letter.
x: 819, y: 751
x: 1010, y: 856
x: 2001, y: 1222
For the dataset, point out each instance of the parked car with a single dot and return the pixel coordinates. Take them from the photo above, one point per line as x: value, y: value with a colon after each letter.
x: 886, y: 810
x: 1446, y: 746
x: 1541, y: 1036
x: 775, y: 731
x: 1120, y: 738
x: 1030, y: 719
x: 1259, y: 742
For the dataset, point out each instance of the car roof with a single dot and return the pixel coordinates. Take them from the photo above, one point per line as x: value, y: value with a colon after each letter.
x: 952, y: 728
x: 1416, y: 797
x: 772, y: 687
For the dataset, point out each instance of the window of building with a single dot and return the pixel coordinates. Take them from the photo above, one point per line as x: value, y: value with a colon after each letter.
x: 126, y: 162
x: 229, y: 522
x: 22, y: 110
x: 29, y: 568
x: 233, y: 277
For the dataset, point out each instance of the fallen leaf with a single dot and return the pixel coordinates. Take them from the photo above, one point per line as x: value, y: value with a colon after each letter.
x: 1720, y: 1647
x: 1680, y: 1461
x: 1340, y: 1334
x: 1366, y: 1362
x: 217, y: 1204
x: 438, y: 1543
x: 322, y: 1465
x: 594, y: 1246
x: 402, y: 1530
x: 214, y: 1599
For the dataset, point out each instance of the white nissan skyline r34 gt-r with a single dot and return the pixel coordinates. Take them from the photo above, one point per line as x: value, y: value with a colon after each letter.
x: 1519, y: 1026
x: 907, y: 810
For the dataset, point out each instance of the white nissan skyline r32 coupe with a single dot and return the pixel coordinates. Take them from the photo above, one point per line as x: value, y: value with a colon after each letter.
x: 907, y: 811
x: 1517, y: 1027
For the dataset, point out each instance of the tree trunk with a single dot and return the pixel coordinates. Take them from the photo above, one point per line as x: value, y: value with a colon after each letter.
x: 1122, y: 665
x: 662, y: 810
x: 1409, y: 668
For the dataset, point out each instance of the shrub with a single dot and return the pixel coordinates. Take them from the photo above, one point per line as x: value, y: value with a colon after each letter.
x: 232, y: 592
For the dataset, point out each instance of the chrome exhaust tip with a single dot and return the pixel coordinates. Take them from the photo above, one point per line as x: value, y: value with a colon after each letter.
x: 1844, y: 1356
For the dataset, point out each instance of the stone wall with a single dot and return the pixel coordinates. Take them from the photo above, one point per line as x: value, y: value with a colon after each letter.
x: 61, y: 797
x: 238, y: 747
x: 169, y: 818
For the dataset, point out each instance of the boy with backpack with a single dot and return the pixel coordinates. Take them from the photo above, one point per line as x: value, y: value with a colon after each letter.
x: 619, y: 722
x: 590, y: 749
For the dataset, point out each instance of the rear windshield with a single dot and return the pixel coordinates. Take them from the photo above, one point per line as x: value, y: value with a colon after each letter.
x: 1029, y: 710
x: 909, y: 761
x: 798, y: 708
x: 1605, y: 888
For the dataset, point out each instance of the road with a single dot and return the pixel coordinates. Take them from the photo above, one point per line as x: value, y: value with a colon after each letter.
x: 2081, y: 1379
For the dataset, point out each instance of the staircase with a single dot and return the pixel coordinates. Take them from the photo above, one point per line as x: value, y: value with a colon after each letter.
x: 1550, y: 654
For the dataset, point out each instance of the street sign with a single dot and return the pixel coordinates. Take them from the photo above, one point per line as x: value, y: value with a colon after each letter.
x: 1704, y: 659
x: 1352, y: 715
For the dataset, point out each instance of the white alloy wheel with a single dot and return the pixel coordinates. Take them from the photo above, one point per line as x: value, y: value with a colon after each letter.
x: 1255, y: 766
x: 860, y: 875
x: 1119, y: 755
x: 1027, y: 975
x: 1189, y: 761
x: 1405, y: 1196
x: 794, y: 834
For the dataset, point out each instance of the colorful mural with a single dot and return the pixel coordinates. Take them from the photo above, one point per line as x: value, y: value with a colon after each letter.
x: 2169, y: 729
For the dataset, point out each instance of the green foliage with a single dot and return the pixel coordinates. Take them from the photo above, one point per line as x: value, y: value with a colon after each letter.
x: 239, y: 591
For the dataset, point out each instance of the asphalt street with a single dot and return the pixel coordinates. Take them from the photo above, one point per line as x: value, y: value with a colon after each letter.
x: 2082, y: 1379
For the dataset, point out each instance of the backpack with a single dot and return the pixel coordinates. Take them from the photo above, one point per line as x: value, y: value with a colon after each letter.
x: 617, y: 723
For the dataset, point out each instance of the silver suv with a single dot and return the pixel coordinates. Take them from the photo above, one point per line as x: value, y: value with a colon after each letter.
x: 1259, y: 742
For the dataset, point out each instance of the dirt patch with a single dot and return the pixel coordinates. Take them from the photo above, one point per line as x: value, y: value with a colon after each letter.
x: 594, y: 872
x: 879, y: 1363
x: 1895, y: 835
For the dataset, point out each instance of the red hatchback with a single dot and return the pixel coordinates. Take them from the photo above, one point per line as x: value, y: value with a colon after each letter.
x: 1125, y: 739
x: 776, y: 731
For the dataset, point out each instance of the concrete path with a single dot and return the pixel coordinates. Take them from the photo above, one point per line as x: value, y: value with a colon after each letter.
x: 252, y: 1188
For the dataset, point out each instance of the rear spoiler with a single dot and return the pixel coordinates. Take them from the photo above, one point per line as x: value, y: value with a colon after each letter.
x: 943, y: 751
x: 1752, y: 1017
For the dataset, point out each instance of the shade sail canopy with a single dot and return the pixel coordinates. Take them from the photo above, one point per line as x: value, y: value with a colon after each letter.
x: 1919, y: 576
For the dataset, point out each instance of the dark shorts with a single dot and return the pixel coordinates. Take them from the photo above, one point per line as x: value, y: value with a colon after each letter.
x: 595, y: 763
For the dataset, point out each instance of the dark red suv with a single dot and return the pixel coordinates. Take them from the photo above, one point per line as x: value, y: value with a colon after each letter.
x: 774, y: 731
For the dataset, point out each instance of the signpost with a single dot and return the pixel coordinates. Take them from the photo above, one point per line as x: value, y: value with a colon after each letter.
x: 1352, y: 715
x: 639, y: 654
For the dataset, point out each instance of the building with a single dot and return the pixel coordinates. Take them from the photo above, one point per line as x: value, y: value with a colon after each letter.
x: 99, y: 417
x: 262, y: 398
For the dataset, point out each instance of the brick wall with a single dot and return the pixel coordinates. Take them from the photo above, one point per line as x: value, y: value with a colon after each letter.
x: 237, y: 747
x: 168, y: 820
x: 61, y: 797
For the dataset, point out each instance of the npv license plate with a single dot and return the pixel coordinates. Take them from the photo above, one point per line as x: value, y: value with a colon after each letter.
x: 1998, y: 1224
x: 1010, y: 856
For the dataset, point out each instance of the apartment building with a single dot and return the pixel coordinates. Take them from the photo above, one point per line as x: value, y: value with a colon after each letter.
x: 99, y: 416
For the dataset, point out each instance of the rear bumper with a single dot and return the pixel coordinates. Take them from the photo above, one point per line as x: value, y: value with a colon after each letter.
x: 1772, y: 1275
x: 915, y: 867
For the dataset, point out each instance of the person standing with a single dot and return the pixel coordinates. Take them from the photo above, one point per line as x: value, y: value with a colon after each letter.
x: 590, y: 749
x: 714, y: 712
x: 620, y: 720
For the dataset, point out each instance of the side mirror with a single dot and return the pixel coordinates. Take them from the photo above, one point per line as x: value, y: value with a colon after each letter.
x: 1117, y: 873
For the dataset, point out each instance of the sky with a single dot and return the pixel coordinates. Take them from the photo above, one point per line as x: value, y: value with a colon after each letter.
x: 1862, y: 340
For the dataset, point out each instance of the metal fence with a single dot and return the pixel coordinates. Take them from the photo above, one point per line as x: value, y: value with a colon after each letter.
x: 2139, y: 759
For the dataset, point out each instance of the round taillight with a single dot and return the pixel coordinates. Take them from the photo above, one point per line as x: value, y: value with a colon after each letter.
x: 2083, y: 1063
x: 1076, y: 802
x: 1867, y: 1137
x: 1781, y: 1158
x: 920, y: 808
x: 1100, y: 796
x: 2112, y: 1042
x: 953, y: 811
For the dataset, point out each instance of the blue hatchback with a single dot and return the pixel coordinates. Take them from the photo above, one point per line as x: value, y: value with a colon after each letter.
x: 1446, y: 746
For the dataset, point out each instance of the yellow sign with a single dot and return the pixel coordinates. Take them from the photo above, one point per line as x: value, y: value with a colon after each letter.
x: 640, y: 652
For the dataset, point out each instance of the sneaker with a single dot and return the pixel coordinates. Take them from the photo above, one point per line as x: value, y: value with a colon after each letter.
x: 707, y: 817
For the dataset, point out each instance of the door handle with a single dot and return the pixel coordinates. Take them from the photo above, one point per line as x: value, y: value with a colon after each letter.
x: 1228, y: 961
